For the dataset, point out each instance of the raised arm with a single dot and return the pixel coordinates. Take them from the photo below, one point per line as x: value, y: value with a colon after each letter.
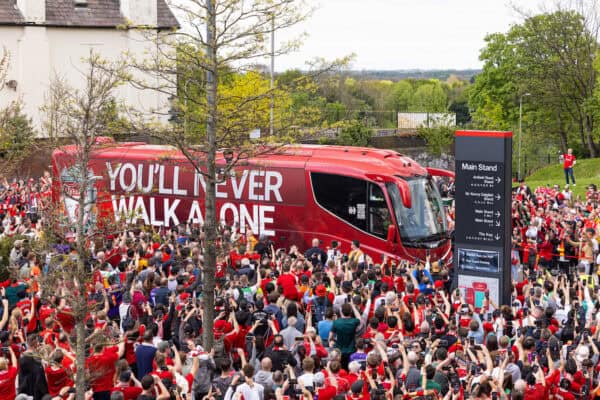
x: 4, y: 319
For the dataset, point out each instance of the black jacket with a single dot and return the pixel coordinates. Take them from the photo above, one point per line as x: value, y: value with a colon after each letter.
x: 316, y: 255
x: 280, y: 358
x: 32, y: 380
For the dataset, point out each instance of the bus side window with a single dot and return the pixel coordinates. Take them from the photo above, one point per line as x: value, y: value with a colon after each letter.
x: 343, y: 196
x: 379, y: 215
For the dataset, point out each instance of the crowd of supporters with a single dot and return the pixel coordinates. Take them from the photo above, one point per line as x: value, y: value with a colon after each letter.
x: 327, y: 323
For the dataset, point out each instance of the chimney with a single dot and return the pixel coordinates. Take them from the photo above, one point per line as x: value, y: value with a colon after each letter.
x: 34, y: 11
x: 140, y: 12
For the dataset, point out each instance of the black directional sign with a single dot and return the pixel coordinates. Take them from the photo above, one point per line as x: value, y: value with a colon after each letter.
x: 483, y: 217
x: 480, y: 199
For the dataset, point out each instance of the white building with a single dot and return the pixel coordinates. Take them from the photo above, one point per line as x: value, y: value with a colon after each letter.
x: 46, y: 38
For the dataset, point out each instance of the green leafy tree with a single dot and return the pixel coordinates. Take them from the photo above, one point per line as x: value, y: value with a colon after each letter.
x: 400, y: 97
x: 546, y: 63
x: 429, y: 97
x: 17, y: 135
x: 352, y: 133
x: 439, y: 137
x: 223, y: 39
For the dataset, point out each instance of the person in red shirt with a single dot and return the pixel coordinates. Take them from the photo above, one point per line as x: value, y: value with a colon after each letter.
x: 563, y: 392
x: 8, y: 375
x: 101, y: 368
x: 128, y: 385
x: 536, y: 386
x: 325, y: 391
x: 57, y: 376
x: 569, y: 161
x: 288, y: 282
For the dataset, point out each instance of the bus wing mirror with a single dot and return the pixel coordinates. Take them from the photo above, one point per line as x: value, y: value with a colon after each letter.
x: 391, y: 234
x: 404, y: 193
x: 440, y: 172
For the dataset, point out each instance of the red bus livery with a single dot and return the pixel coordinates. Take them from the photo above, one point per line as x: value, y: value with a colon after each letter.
x: 381, y: 198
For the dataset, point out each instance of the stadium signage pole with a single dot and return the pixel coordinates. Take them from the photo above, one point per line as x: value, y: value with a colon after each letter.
x: 482, y: 253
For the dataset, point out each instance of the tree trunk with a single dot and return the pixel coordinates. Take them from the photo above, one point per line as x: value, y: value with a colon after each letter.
x: 562, y: 134
x: 582, y: 134
x: 80, y: 300
x: 210, y: 222
x: 564, y: 146
x: 590, y: 138
x: 80, y: 359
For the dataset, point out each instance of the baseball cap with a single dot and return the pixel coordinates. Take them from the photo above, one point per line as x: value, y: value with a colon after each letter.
x: 321, y: 291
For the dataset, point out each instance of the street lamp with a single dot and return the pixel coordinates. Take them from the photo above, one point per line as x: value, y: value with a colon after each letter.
x: 272, y: 85
x: 520, y: 133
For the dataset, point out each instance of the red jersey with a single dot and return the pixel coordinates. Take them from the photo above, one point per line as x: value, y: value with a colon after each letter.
x: 7, y: 383
x: 129, y: 392
x: 57, y: 379
x: 569, y: 159
x: 288, y: 284
x: 535, y: 392
x: 102, y: 369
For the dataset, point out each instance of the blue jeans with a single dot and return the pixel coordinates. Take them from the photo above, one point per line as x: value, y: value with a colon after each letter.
x: 569, y: 172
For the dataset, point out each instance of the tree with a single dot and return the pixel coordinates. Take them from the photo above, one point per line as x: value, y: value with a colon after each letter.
x: 430, y: 98
x: 549, y: 59
x: 224, y: 38
x: 401, y: 96
x: 439, y: 137
x: 17, y: 136
x: 352, y: 133
x: 83, y: 120
x: 16, y: 129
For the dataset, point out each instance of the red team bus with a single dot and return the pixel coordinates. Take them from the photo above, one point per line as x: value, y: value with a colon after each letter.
x: 381, y: 198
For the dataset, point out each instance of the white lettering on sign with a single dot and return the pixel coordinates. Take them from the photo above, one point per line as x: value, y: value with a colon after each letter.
x: 126, y: 184
x: 112, y: 174
x: 273, y: 182
x: 238, y: 189
x: 255, y: 183
x: 264, y: 219
x: 153, y: 220
x: 150, y: 178
x: 162, y: 189
x: 170, y: 211
x: 130, y: 183
x: 176, y: 190
x: 195, y: 213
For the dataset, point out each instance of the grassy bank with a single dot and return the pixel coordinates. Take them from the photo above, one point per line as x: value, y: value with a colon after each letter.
x: 586, y: 172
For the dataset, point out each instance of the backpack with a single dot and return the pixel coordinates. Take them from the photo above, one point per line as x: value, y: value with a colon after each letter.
x: 203, y: 378
x: 246, y: 294
x: 320, y: 305
x: 128, y: 319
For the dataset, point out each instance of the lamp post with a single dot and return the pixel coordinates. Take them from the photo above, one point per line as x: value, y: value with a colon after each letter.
x: 520, y: 134
x: 272, y: 85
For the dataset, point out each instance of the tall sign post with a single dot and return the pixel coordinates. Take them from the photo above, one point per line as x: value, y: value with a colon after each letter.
x: 482, y: 253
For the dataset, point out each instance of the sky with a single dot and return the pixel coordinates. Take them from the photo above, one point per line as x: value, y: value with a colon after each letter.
x: 402, y: 34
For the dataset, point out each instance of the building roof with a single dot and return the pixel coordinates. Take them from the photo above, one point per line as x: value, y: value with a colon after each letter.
x: 97, y: 14
x: 165, y: 16
x: 9, y: 13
